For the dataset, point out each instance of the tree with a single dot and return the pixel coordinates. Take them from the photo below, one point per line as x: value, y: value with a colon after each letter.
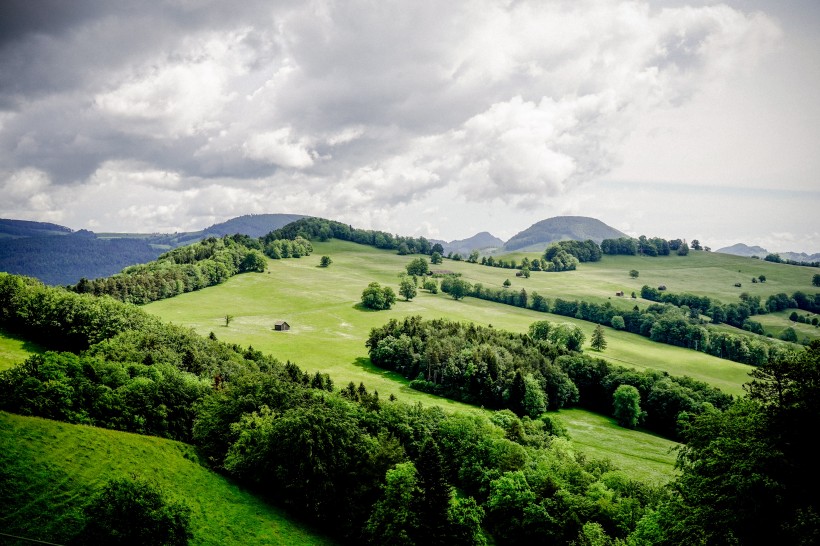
x: 626, y: 404
x: 473, y: 257
x: 598, y: 341
x: 507, y: 283
x: 789, y: 334
x: 617, y: 322
x: 683, y: 249
x: 393, y: 519
x: 540, y: 329
x: 407, y: 288
x: 254, y: 261
x: 696, y: 245
x: 435, y: 258
x: 378, y: 298
x: 228, y: 319
x: 815, y: 281
x: 326, y: 261
x: 433, y: 501
x: 135, y: 511
x: 634, y: 273
x: 417, y: 267
x: 437, y: 249
x: 762, y: 278
x: 431, y: 286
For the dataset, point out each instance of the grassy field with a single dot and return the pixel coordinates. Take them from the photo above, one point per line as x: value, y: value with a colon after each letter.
x: 14, y: 349
x: 644, y: 456
x: 775, y: 323
x: 329, y: 327
x: 48, y: 471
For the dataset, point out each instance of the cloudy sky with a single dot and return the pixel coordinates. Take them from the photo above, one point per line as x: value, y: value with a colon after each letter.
x: 667, y: 118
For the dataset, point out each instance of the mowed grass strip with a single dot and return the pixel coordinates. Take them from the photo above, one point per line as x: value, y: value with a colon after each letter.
x: 329, y: 327
x: 49, y: 470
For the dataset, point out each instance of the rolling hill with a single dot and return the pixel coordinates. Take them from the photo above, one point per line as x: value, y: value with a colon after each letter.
x: 559, y: 228
x: 479, y: 241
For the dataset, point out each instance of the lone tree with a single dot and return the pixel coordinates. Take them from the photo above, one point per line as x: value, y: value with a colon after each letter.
x: 626, y: 403
x: 228, y: 319
x: 407, y: 288
x: 634, y: 273
x: 378, y: 298
x: 326, y: 261
x: 598, y: 341
x: 418, y: 267
x: 135, y: 511
x: 435, y: 258
x: 507, y: 283
x: 816, y: 279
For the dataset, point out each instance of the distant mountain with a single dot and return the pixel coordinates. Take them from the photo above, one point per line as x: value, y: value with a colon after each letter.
x: 253, y: 225
x: 479, y: 241
x: 57, y: 255
x: 741, y: 249
x: 560, y: 228
x: 25, y: 228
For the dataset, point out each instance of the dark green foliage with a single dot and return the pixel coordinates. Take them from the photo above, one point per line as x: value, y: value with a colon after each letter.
x: 815, y: 280
x: 377, y: 297
x: 133, y: 511
x: 418, y: 267
x: 457, y: 288
x: 626, y: 402
x: 598, y: 341
x: 325, y: 261
x: 185, y: 269
x: 322, y: 230
x: 583, y: 251
x: 622, y: 245
x: 471, y: 363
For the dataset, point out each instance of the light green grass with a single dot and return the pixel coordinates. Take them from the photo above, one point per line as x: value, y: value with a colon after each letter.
x: 644, y: 456
x: 49, y: 470
x: 14, y: 349
x: 329, y: 327
x: 704, y: 273
x: 775, y: 323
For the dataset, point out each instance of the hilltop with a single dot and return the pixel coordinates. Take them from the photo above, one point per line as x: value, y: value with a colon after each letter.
x: 559, y: 228
x: 479, y: 241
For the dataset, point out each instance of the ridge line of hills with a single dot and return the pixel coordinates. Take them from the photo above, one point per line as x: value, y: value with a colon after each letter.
x: 58, y: 255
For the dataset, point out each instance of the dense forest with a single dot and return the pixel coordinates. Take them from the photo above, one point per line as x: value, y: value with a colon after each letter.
x: 380, y: 471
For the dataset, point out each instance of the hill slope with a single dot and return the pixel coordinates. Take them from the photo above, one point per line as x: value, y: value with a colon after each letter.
x: 48, y: 470
x: 25, y: 228
x: 478, y: 241
x: 252, y: 225
x: 559, y: 228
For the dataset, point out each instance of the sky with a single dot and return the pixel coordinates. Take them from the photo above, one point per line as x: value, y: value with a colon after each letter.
x: 675, y: 119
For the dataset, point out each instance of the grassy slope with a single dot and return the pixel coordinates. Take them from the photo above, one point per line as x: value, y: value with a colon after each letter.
x: 14, y: 349
x: 329, y: 328
x: 50, y: 469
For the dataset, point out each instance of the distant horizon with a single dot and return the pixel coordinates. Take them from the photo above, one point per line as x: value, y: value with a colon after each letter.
x: 450, y: 240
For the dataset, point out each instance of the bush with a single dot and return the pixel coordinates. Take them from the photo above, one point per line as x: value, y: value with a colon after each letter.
x: 378, y: 298
x: 135, y: 511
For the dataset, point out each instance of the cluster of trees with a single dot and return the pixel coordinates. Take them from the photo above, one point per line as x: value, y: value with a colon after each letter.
x: 380, y: 471
x: 319, y: 229
x: 528, y: 373
x: 583, y: 251
x: 643, y: 246
x: 185, y: 269
x: 378, y: 297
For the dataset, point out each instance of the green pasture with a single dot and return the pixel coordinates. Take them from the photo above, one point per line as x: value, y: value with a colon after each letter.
x: 14, y: 350
x: 48, y: 471
x: 775, y: 323
x: 704, y: 273
x: 644, y: 456
x: 329, y: 327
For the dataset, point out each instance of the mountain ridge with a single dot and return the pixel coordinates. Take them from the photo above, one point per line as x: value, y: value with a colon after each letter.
x: 558, y: 228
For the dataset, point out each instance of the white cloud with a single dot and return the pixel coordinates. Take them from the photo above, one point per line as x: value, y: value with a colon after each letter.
x: 277, y: 148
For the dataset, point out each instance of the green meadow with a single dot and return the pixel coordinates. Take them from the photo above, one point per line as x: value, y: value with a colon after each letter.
x: 329, y: 326
x: 48, y: 471
x: 14, y: 349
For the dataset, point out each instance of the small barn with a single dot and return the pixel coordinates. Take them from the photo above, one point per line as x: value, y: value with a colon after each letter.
x: 281, y: 326
x: 619, y: 294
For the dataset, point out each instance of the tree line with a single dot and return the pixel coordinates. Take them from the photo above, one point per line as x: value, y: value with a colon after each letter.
x: 374, y: 471
x: 193, y: 267
x: 663, y: 323
x: 528, y: 373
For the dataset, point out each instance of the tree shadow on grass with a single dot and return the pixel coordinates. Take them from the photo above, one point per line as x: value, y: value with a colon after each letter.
x: 365, y: 364
x: 362, y: 307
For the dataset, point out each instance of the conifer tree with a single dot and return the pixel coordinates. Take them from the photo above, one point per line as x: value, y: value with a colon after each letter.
x: 598, y: 341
